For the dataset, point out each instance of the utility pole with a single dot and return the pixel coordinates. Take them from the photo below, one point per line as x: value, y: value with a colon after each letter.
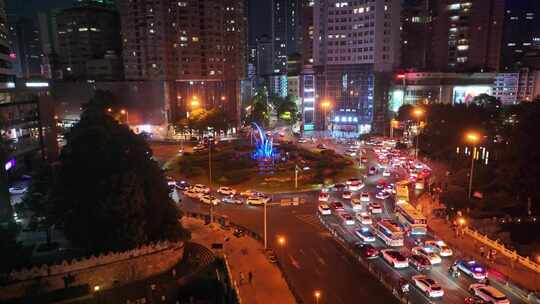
x: 296, y: 176
x: 472, y: 171
x: 265, y: 241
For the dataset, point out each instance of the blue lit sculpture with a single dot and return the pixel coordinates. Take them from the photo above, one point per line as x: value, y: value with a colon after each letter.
x: 263, y: 145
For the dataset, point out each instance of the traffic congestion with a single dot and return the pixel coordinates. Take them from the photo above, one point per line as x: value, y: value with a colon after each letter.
x: 375, y: 214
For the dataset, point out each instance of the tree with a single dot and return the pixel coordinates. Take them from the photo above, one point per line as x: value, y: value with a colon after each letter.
x: 109, y: 192
x: 259, y: 108
x: 287, y: 110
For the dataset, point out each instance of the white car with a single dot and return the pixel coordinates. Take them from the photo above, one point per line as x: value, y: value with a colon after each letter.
x: 17, y: 190
x: 192, y: 193
x: 324, y: 196
x: 365, y: 234
x: 364, y: 218
x: 210, y: 200
x: 395, y: 258
x: 347, y: 219
x: 200, y: 188
x: 382, y: 195
x: 346, y: 195
x: 427, y: 253
x: 324, y: 209
x: 428, y: 286
x: 226, y: 191
x: 488, y: 293
x: 302, y: 140
x: 441, y: 246
x: 356, y: 204
x: 375, y: 208
x: 386, y: 173
x: 255, y: 200
x: 364, y: 196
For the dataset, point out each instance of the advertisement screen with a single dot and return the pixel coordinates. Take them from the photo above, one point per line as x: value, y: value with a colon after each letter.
x: 466, y: 94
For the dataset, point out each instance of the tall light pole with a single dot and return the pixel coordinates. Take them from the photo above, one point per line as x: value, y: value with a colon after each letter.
x: 125, y: 113
x: 265, y: 240
x: 418, y: 113
x: 317, y: 295
x: 472, y: 138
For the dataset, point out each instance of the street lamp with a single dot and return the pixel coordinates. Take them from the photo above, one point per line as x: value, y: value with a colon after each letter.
x: 317, y: 295
x: 393, y: 125
x: 326, y: 104
x: 418, y: 113
x: 281, y: 240
x: 195, y: 103
x: 125, y: 113
x: 472, y: 138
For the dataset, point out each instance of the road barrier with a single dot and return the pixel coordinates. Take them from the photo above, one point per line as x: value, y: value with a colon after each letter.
x: 226, y: 224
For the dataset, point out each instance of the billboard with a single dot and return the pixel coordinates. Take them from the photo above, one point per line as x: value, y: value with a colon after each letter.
x: 466, y: 94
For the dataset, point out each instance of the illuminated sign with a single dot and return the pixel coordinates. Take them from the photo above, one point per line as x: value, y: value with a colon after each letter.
x: 466, y: 94
x: 37, y: 84
x: 10, y: 164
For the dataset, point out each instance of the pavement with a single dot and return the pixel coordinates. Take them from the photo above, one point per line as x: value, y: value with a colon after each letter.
x: 244, y: 255
x: 502, y: 267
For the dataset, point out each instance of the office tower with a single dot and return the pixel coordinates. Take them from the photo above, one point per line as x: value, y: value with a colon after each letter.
x: 357, y: 44
x: 48, y: 36
x: 467, y: 35
x: 521, y: 35
x: 264, y: 56
x: 286, y: 32
x: 88, y: 33
x: 416, y: 22
x: 26, y: 45
x: 307, y: 32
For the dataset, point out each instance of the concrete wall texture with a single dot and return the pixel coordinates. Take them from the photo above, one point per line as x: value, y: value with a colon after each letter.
x: 105, y: 271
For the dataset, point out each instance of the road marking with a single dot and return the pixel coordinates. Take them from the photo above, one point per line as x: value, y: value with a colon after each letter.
x: 294, y: 262
x: 311, y: 220
x: 319, y: 258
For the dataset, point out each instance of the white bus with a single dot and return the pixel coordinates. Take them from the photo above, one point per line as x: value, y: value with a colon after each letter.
x: 411, y: 218
x: 389, y: 232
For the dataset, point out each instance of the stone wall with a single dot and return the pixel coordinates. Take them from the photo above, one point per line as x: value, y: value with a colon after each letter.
x: 105, y: 271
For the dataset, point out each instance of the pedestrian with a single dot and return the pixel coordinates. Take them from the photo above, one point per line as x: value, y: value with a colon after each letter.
x: 488, y: 256
x: 482, y: 251
x: 241, y: 278
x: 250, y: 277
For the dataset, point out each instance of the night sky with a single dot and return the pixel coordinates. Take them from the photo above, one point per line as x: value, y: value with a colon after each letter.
x: 259, y: 13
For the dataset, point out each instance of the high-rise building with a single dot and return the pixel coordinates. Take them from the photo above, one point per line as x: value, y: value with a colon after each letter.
x: 307, y: 32
x: 356, y: 44
x: 286, y: 32
x: 48, y: 35
x: 86, y: 33
x: 416, y: 22
x: 264, y: 56
x: 521, y: 35
x: 467, y: 35
x: 26, y: 45
x: 199, y: 44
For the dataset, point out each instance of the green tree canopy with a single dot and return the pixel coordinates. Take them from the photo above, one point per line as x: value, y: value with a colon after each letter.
x: 108, y: 190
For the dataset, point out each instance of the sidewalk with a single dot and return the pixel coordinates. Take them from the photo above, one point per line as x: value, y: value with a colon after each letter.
x: 243, y: 255
x: 503, y: 267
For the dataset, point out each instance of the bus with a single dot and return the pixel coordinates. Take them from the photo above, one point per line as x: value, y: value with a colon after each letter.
x: 389, y: 232
x: 411, y: 218
x: 402, y: 191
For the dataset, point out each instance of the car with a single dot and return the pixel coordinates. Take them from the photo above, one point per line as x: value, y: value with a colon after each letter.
x: 472, y: 268
x: 375, y: 208
x: 368, y: 251
x: 339, y: 187
x: 381, y: 184
x: 428, y: 286
x: 364, y: 218
x: 382, y: 195
x: 248, y: 193
x: 346, y: 194
x: 441, y: 247
x: 390, y: 189
x: 474, y: 300
x: 18, y: 190
x: 419, y: 262
x: 255, y: 200
x: 324, y: 196
x: 364, y: 196
x: 338, y: 206
x: 199, y: 148
x: 488, y: 293
x: 182, y: 185
x: 231, y: 199
x: 321, y: 146
x: 365, y: 234
x: 351, y: 153
x: 364, y: 160
x: 352, y: 181
x: 208, y: 199
x: 347, y: 218
x: 394, y: 258
x: 201, y: 188
x: 302, y: 140
x: 192, y: 193
x: 324, y: 209
x: 428, y: 253
x: 226, y: 191
x: 386, y: 173
x: 355, y: 186
x: 356, y: 204
x: 372, y: 171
